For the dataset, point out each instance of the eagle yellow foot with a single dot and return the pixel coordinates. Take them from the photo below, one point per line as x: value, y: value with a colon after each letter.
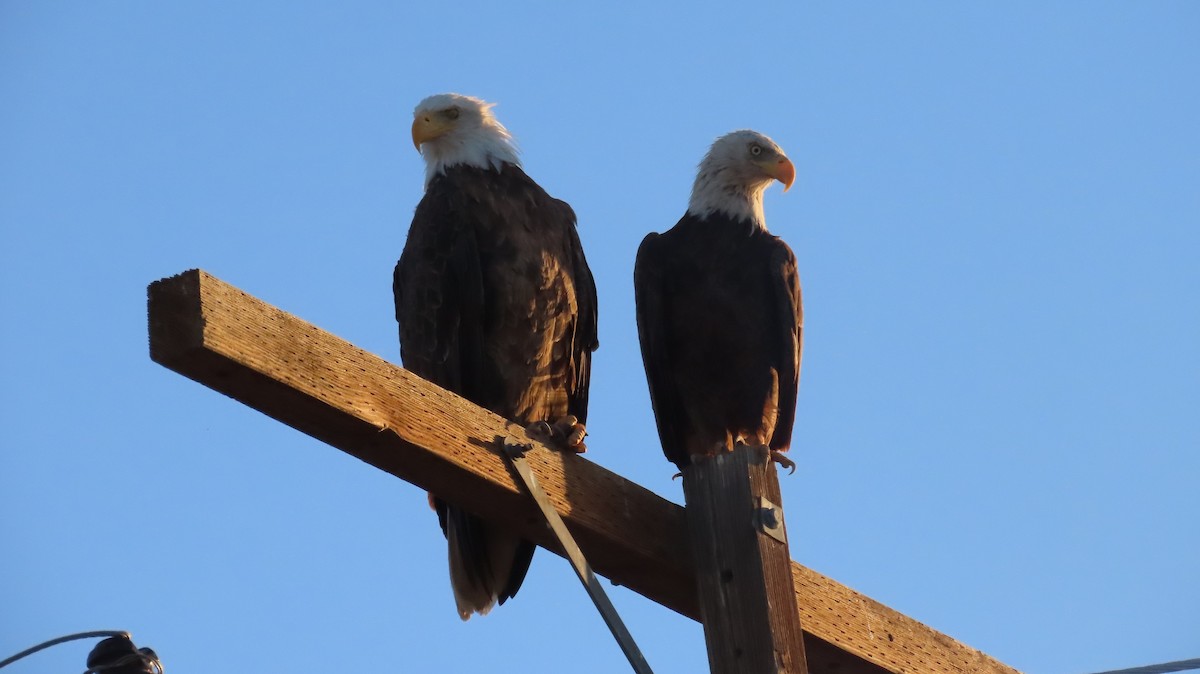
x: 783, y: 461
x: 565, y: 435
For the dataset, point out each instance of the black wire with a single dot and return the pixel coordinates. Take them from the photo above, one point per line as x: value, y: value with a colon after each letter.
x: 55, y: 642
x: 1177, y: 666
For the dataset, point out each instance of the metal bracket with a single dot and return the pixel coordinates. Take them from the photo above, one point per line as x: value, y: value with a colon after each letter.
x: 769, y: 519
x: 515, y: 453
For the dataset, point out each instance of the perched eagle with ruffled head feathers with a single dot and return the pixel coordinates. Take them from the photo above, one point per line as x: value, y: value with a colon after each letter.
x: 496, y: 303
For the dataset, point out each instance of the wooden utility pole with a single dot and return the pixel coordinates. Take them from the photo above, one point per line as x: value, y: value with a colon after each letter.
x: 369, y: 408
x: 744, y: 572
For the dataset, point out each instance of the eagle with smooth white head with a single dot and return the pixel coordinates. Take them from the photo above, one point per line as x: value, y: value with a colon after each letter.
x: 718, y: 311
x: 496, y: 303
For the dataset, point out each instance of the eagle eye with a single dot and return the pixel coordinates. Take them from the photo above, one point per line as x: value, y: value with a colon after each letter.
x: 452, y: 113
x: 755, y: 150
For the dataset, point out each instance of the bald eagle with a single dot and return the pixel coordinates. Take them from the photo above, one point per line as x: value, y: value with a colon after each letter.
x: 718, y: 311
x: 495, y: 302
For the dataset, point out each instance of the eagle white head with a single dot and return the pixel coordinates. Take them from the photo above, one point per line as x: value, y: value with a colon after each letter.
x: 733, y: 175
x: 452, y: 129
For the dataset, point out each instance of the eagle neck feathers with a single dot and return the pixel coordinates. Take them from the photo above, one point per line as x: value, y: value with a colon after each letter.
x: 489, y: 147
x: 713, y: 193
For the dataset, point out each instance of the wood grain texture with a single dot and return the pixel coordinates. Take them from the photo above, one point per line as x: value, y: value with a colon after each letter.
x: 744, y: 577
x: 365, y: 406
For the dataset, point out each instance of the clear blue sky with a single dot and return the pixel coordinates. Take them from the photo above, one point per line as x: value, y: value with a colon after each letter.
x: 996, y: 217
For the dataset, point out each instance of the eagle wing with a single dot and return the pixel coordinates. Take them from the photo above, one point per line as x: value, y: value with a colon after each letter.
x: 438, y: 289
x: 785, y: 286
x: 650, y: 297
x: 585, y: 339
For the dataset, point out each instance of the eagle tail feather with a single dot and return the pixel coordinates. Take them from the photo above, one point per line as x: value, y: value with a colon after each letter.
x: 487, y: 564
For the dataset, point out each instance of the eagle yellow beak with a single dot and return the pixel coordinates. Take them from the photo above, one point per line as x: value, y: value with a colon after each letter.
x: 783, y: 171
x: 426, y: 128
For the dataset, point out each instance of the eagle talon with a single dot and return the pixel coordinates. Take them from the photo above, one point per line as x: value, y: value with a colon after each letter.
x: 564, y: 435
x: 573, y: 433
x: 783, y: 461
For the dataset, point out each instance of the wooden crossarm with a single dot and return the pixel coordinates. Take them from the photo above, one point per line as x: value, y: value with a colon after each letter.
x: 365, y: 406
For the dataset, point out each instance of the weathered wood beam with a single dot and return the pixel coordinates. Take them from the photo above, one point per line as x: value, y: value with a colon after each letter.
x: 365, y: 406
x: 739, y: 544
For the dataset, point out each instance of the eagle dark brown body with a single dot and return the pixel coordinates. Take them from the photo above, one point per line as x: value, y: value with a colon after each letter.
x: 496, y: 303
x: 719, y: 319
